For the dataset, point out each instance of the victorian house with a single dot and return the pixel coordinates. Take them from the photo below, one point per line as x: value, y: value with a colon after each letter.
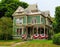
x: 31, y: 23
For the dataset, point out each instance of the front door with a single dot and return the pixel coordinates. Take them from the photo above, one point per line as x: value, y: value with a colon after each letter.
x: 29, y: 32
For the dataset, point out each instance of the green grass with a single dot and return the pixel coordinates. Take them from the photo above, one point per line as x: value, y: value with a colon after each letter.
x: 8, y: 42
x: 38, y: 43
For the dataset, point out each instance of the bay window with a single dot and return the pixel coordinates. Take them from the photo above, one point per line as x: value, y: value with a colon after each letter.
x: 19, y: 20
x: 34, y: 21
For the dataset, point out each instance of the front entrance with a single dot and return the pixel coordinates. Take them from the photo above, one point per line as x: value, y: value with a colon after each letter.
x: 29, y: 32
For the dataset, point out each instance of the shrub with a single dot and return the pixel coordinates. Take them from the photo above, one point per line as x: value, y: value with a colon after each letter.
x: 6, y: 29
x: 56, y: 39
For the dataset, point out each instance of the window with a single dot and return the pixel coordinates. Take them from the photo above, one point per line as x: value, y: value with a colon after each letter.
x: 19, y: 20
x: 19, y: 31
x: 43, y: 20
x: 34, y: 20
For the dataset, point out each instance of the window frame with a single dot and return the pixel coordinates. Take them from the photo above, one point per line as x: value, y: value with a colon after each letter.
x: 34, y: 20
x: 19, y: 21
x: 43, y: 20
x: 19, y: 31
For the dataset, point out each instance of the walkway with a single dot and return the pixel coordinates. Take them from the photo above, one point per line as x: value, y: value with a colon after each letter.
x: 17, y: 44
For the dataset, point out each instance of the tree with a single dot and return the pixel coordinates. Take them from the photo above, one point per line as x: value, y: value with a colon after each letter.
x: 7, y: 7
x: 6, y: 28
x: 9, y: 1
x: 57, y: 19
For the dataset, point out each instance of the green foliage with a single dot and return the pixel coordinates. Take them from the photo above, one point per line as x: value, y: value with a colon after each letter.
x: 57, y: 20
x: 56, y: 39
x: 8, y: 7
x: 50, y: 34
x: 9, y: 1
x: 6, y: 28
x: 54, y: 25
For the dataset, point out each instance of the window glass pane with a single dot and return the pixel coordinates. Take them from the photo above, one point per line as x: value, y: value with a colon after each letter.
x: 19, y: 31
x: 43, y: 20
x: 19, y: 20
x: 34, y: 20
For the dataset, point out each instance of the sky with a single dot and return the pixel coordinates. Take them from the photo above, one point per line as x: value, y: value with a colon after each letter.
x: 44, y: 5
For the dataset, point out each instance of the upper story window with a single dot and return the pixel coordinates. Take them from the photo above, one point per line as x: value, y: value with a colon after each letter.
x: 34, y: 21
x: 19, y: 20
x: 43, y: 21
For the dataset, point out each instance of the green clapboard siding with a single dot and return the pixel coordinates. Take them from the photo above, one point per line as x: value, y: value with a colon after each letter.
x: 43, y: 20
x: 14, y: 30
x: 14, y: 21
x: 29, y: 19
x: 38, y: 19
x: 24, y: 20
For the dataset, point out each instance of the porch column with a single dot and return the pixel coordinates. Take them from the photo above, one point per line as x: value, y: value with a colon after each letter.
x: 47, y: 31
x: 40, y: 30
x: 22, y: 30
x: 44, y: 29
x: 26, y: 31
x: 33, y: 30
x: 37, y: 30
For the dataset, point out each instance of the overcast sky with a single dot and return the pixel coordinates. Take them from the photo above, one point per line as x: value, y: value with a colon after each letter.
x: 45, y: 5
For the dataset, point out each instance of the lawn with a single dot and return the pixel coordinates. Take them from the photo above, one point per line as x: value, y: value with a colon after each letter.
x: 38, y: 43
x: 8, y: 42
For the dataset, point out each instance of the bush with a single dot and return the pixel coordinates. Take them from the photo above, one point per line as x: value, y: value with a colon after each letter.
x: 56, y: 39
x: 6, y: 29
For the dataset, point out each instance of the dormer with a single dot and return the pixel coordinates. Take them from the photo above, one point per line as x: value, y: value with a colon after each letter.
x: 32, y: 8
x: 19, y: 11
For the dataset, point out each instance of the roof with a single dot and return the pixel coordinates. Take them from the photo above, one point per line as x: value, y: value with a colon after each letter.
x: 18, y: 11
x: 45, y: 13
x: 28, y: 11
x: 32, y: 7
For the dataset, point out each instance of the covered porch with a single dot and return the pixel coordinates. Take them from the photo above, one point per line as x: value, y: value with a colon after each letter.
x: 36, y: 31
